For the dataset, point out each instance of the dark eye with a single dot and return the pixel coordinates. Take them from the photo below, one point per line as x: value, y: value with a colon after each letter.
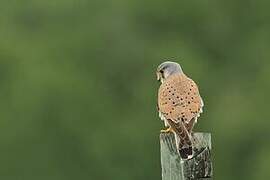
x: 161, y: 71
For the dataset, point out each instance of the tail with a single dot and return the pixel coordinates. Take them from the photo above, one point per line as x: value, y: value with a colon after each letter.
x: 186, y: 152
x: 183, y: 139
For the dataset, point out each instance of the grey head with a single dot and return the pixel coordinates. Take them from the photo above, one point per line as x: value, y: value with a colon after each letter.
x: 167, y: 69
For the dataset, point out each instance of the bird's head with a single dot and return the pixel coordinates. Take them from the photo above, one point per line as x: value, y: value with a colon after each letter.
x: 167, y: 69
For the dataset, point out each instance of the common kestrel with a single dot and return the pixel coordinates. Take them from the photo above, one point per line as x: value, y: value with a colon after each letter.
x: 179, y: 105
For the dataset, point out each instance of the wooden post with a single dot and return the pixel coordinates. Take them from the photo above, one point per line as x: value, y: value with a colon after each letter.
x: 197, y: 168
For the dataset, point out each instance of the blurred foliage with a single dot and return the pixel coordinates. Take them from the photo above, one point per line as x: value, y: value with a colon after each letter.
x: 78, y: 89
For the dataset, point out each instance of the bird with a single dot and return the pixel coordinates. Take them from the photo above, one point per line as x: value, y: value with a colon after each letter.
x: 179, y: 105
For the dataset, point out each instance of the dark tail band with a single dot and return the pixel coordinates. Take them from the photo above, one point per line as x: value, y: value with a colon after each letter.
x: 185, y: 152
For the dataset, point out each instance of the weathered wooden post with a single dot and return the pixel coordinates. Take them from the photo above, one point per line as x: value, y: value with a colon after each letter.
x: 197, y: 168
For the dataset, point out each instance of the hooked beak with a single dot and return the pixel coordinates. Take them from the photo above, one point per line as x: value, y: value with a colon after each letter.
x: 159, y: 76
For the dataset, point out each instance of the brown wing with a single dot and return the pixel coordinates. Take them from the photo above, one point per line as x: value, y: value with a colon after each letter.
x: 179, y: 100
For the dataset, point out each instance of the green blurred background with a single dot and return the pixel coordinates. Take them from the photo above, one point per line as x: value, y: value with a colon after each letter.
x: 78, y: 88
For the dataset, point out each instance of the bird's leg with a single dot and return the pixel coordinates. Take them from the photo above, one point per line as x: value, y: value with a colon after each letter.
x: 169, y: 129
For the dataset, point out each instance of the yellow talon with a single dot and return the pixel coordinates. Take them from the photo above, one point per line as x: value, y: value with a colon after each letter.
x: 166, y: 130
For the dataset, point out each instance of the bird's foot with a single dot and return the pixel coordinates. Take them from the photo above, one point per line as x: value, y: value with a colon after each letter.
x: 166, y: 130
